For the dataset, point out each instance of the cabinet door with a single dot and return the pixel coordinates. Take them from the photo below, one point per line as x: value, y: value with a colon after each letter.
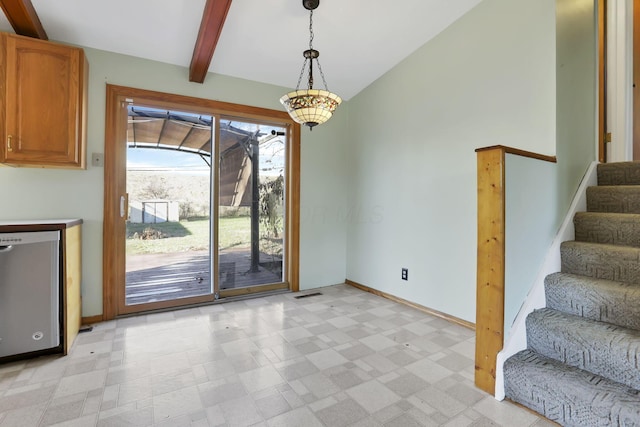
x: 44, y: 104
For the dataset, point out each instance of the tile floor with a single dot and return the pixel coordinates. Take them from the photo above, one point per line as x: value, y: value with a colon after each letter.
x: 344, y: 358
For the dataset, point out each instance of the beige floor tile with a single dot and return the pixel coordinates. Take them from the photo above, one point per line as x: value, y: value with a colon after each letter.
x: 240, y: 412
x: 137, y: 417
x: 26, y: 416
x: 261, y: 378
x: 296, y: 417
x: 325, y: 359
x: 84, y: 421
x: 176, y: 403
x: 504, y: 413
x: 373, y: 396
x: 343, y: 358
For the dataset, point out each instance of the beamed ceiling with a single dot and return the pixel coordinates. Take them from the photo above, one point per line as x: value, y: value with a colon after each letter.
x: 259, y: 40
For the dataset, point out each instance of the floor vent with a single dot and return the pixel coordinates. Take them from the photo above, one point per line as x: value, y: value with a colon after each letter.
x: 315, y: 294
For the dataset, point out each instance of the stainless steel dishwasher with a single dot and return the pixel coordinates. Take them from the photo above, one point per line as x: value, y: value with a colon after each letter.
x: 29, y: 292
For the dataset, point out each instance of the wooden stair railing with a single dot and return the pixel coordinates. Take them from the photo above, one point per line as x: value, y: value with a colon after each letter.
x: 491, y: 259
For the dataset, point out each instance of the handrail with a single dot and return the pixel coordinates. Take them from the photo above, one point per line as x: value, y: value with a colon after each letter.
x: 519, y: 152
x: 491, y: 259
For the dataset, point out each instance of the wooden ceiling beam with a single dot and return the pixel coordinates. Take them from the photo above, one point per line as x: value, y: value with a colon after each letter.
x: 213, y: 17
x: 23, y: 18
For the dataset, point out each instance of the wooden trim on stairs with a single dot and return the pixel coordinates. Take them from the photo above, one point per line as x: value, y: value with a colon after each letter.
x: 491, y: 259
x: 518, y: 152
x: 422, y: 308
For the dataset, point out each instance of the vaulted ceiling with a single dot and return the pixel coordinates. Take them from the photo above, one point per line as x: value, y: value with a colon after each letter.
x: 260, y: 40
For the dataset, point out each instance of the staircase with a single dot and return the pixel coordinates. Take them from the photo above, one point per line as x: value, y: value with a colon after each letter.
x: 582, y: 362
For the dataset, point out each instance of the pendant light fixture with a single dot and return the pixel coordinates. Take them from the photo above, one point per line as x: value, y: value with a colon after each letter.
x: 310, y: 107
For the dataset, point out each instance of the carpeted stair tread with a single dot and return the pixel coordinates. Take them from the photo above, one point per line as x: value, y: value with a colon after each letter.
x: 596, y: 299
x: 616, y: 198
x: 619, y: 173
x: 582, y: 365
x: 600, y: 261
x: 568, y: 395
x: 600, y: 348
x: 604, y: 227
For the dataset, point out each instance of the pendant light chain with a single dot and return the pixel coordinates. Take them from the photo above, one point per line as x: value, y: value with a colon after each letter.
x: 311, y: 37
x: 304, y: 66
x: 322, y: 75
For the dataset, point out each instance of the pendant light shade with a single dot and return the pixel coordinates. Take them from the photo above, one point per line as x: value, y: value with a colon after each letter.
x: 311, y: 107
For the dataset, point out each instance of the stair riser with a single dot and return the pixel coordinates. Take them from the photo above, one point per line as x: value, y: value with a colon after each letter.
x: 622, y: 173
x: 614, y: 199
x: 605, y: 301
x: 597, y: 347
x: 614, y: 229
x: 567, y: 395
x: 608, y: 262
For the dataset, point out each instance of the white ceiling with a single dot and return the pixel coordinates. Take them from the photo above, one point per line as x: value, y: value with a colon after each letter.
x: 262, y: 40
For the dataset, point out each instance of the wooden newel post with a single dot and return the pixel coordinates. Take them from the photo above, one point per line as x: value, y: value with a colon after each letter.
x: 490, y: 266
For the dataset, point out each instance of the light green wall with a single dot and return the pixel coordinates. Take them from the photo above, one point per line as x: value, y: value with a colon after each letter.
x: 539, y: 193
x: 48, y: 193
x: 532, y: 218
x: 323, y: 234
x: 576, y: 95
x: 488, y: 79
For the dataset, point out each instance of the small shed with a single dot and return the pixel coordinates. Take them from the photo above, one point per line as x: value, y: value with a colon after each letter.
x: 154, y: 211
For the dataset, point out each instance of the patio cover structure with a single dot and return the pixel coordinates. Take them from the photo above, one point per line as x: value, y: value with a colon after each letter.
x: 190, y: 133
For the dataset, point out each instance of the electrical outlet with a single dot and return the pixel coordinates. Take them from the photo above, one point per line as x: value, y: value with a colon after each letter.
x: 405, y: 274
x: 97, y: 159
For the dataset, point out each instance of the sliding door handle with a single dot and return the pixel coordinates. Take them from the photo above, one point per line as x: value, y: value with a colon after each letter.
x: 124, y: 206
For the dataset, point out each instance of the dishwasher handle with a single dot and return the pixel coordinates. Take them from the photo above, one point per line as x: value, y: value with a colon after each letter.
x: 4, y: 249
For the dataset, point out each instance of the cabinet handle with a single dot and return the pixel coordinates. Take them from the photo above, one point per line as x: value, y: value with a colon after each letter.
x: 9, y: 148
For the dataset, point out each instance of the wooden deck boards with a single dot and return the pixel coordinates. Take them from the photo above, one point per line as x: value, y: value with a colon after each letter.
x: 162, y: 277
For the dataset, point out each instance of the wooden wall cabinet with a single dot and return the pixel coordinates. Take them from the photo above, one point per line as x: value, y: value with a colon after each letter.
x: 43, y: 94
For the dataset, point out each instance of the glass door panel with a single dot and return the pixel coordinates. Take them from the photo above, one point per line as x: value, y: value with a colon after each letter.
x: 251, y: 206
x: 168, y: 180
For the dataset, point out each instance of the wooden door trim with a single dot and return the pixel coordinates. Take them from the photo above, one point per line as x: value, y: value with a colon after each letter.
x: 635, y: 138
x: 111, y: 188
x: 602, y: 93
x: 116, y: 95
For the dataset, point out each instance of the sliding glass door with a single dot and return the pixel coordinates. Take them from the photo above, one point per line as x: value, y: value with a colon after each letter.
x: 199, y: 205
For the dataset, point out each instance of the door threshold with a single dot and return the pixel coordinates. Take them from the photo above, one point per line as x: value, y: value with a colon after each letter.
x: 205, y: 304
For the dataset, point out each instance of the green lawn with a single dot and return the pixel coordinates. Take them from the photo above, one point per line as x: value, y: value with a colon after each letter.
x: 187, y: 236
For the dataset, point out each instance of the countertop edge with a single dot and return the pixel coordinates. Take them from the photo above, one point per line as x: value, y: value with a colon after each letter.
x: 38, y: 225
